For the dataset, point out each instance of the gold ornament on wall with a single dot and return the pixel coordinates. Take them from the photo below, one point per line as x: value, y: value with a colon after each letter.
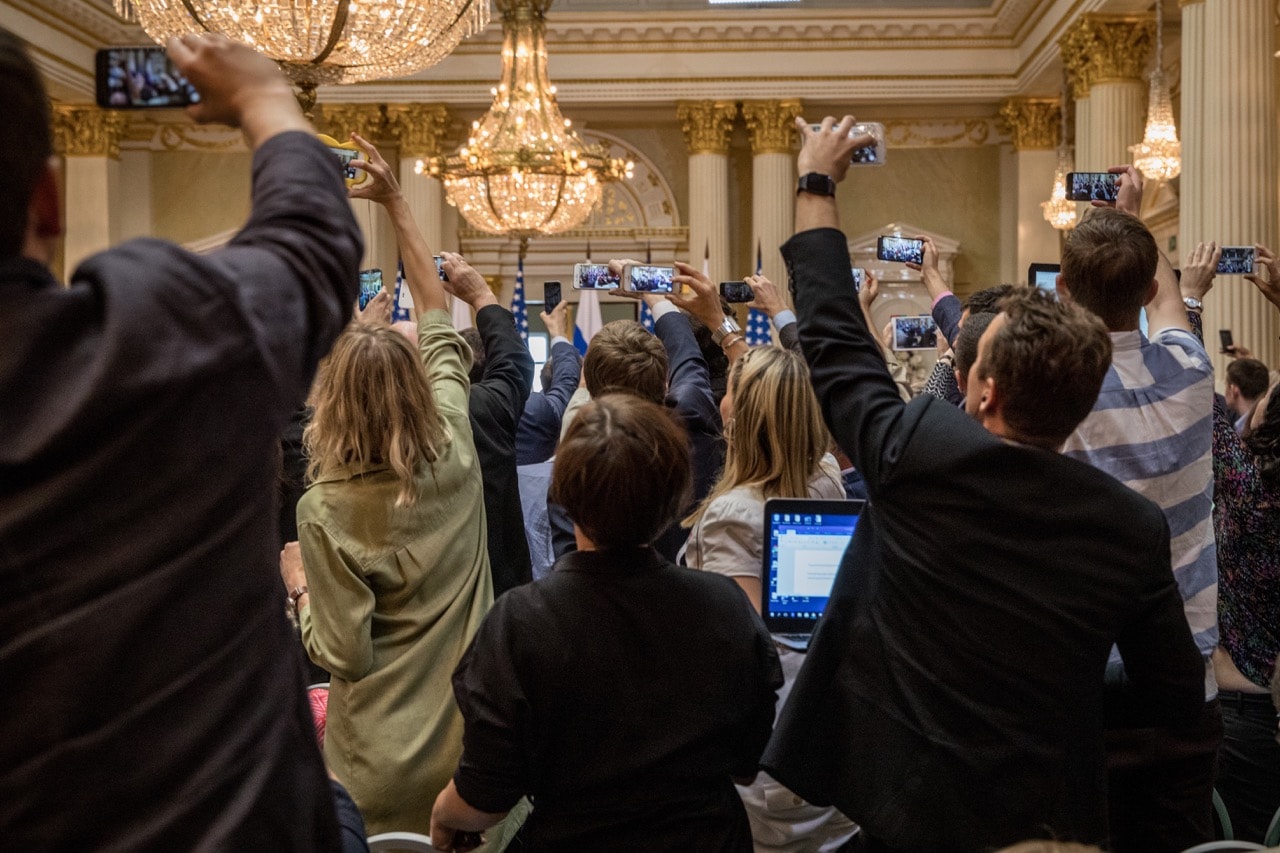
x: 87, y: 131
x: 772, y: 125
x: 342, y: 120
x: 1106, y: 48
x: 706, y: 125
x: 420, y: 128
x: 1032, y: 123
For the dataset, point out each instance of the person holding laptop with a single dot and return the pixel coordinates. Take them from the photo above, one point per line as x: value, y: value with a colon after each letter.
x: 952, y: 698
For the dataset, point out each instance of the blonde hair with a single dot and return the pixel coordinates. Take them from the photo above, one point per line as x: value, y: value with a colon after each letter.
x: 776, y: 438
x: 374, y: 406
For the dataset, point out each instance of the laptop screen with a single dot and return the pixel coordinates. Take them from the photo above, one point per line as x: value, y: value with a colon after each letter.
x: 806, y: 542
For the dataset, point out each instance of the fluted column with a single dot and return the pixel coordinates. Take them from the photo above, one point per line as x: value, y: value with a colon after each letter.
x: 1239, y: 204
x: 706, y: 126
x: 771, y: 125
x: 421, y: 129
x: 1034, y: 124
x: 340, y: 121
x: 89, y: 141
x: 1106, y: 58
x: 1191, y: 183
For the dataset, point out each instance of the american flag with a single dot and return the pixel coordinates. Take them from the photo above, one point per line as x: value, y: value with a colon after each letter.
x: 759, y: 331
x: 646, y: 317
x: 403, y: 309
x: 519, y: 312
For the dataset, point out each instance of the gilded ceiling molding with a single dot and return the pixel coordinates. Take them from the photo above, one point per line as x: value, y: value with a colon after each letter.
x: 420, y: 128
x: 146, y: 133
x: 941, y: 133
x: 342, y: 120
x: 1034, y: 124
x: 80, y: 131
x: 1106, y: 48
x: 772, y: 125
x: 706, y: 125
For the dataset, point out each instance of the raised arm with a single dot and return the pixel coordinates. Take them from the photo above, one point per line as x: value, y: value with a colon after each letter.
x: 946, y: 309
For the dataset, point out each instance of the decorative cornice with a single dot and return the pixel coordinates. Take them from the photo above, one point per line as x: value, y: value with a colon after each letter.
x: 144, y: 131
x: 941, y: 133
x: 771, y: 125
x: 87, y: 131
x: 1034, y: 124
x: 706, y: 125
x: 1106, y: 48
x: 421, y: 128
x: 342, y: 120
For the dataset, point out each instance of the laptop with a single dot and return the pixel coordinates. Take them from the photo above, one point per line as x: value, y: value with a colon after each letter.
x: 804, y: 542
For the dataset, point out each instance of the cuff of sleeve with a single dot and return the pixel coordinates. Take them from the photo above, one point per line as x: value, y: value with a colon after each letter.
x: 941, y: 296
x: 784, y: 317
x: 483, y: 794
x: 560, y: 339
x: 662, y: 309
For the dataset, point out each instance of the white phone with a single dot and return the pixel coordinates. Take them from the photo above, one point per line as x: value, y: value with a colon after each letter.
x: 645, y: 278
x: 593, y: 277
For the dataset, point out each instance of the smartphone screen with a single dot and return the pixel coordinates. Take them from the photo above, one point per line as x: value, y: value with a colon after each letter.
x: 736, y: 291
x: 1224, y: 335
x: 868, y: 155
x: 859, y: 278
x: 139, y: 78
x: 594, y: 277
x: 440, y: 267
x: 1092, y: 186
x: 370, y: 286
x: 914, y: 333
x: 1236, y: 260
x: 903, y: 250
x: 643, y: 278
x: 550, y: 296
x: 345, y: 156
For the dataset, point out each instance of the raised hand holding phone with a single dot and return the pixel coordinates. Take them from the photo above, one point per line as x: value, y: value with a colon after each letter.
x: 465, y: 283
x: 557, y: 320
x: 382, y: 186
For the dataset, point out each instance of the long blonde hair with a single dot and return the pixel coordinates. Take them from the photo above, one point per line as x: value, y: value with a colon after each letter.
x: 374, y: 406
x: 776, y: 438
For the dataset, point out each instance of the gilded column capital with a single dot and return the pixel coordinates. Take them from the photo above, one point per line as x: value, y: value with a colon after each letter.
x: 342, y: 120
x: 772, y: 125
x: 1035, y: 124
x: 421, y: 128
x: 706, y: 125
x: 1106, y: 48
x: 81, y: 131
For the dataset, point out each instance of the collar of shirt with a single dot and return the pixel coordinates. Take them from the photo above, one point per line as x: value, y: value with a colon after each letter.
x: 1130, y: 340
x: 611, y: 561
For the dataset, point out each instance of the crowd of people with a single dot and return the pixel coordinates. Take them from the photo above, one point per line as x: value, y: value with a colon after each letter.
x: 538, y: 614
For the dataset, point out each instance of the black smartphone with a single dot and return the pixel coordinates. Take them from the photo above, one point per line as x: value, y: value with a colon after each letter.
x: 1092, y: 186
x: 140, y: 78
x: 440, y: 267
x: 550, y: 296
x: 1224, y: 336
x: 370, y: 286
x: 1235, y: 260
x: 736, y: 291
x: 903, y: 250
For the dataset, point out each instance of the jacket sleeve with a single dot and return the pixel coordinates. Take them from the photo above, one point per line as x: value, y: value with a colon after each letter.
x: 508, y: 367
x: 336, y: 623
x: 689, y: 380
x: 789, y: 337
x: 539, y: 429
x: 946, y: 314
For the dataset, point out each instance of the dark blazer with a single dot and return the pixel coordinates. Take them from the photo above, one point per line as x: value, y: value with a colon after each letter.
x: 496, y: 404
x: 689, y: 397
x: 952, y: 696
x: 946, y: 314
x: 539, y: 429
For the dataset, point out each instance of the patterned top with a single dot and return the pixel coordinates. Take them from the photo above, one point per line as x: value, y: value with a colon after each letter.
x: 1152, y: 430
x: 1246, y: 520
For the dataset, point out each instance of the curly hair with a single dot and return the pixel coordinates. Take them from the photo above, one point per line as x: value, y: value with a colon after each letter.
x: 1264, y: 442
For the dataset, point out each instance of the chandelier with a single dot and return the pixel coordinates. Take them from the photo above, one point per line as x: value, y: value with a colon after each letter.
x: 524, y: 171
x: 1058, y: 211
x: 1159, y: 155
x: 319, y: 42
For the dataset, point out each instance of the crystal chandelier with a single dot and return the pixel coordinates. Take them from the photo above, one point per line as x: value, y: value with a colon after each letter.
x: 320, y: 42
x: 1159, y: 155
x: 1059, y: 212
x: 524, y: 171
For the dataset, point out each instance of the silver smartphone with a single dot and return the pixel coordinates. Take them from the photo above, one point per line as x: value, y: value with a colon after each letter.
x: 594, y: 277
x: 646, y: 278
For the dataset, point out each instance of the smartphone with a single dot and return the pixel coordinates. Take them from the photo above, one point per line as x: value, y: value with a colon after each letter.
x: 440, y: 267
x: 594, y: 277
x: 1092, y: 186
x: 859, y: 278
x: 345, y: 156
x: 1044, y: 276
x: 140, y: 78
x: 1224, y: 336
x: 914, y: 333
x: 550, y: 296
x: 903, y: 250
x: 736, y: 291
x: 645, y: 278
x: 1236, y: 260
x: 868, y: 155
x: 370, y: 286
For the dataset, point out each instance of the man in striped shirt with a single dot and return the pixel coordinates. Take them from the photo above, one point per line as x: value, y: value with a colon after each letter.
x: 1152, y: 430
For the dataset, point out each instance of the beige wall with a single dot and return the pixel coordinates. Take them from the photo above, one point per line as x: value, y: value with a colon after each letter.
x: 195, y: 194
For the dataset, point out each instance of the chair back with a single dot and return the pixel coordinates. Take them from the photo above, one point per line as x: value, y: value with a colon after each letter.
x: 400, y: 842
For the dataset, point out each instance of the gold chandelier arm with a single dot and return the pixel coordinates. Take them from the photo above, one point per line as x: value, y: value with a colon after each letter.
x: 195, y: 16
x: 335, y: 31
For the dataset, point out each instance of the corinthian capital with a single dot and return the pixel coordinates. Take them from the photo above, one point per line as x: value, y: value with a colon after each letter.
x: 706, y: 125
x: 342, y: 120
x: 772, y: 125
x: 1034, y: 123
x: 421, y: 128
x: 87, y: 131
x: 1106, y: 48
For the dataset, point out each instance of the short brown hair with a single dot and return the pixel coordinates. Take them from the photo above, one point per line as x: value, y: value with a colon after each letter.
x: 1108, y: 264
x: 623, y: 357
x: 26, y: 137
x: 622, y: 471
x: 1048, y: 361
x: 1250, y: 376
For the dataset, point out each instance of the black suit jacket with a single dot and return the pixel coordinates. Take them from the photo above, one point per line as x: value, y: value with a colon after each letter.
x: 952, y: 696
x: 539, y: 429
x: 496, y: 404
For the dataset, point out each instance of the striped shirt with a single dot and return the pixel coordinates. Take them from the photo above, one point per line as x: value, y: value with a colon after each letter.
x: 1152, y: 429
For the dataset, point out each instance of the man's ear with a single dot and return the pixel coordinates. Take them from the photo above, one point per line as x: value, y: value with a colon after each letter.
x: 1064, y: 292
x: 1152, y: 291
x: 989, y: 400
x: 962, y: 381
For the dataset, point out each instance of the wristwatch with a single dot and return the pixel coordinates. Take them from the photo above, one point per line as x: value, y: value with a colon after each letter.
x: 1192, y: 303
x: 816, y: 183
x: 728, y: 327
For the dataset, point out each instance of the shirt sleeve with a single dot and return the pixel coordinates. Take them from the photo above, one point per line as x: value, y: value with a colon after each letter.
x: 447, y: 359
x: 336, y: 623
x: 725, y: 541
x: 1190, y: 348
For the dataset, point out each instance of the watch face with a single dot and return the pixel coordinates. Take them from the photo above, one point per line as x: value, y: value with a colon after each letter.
x: 817, y: 184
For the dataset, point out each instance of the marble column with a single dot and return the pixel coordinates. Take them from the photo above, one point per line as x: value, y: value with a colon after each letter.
x: 1034, y: 125
x: 707, y: 126
x: 368, y: 120
x: 1191, y: 182
x: 89, y: 141
x: 1238, y: 198
x: 1106, y: 58
x: 771, y: 125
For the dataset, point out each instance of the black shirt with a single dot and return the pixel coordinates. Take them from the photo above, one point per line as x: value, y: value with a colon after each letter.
x: 621, y: 693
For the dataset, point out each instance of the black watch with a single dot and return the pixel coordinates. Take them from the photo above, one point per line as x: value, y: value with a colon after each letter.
x: 816, y: 183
